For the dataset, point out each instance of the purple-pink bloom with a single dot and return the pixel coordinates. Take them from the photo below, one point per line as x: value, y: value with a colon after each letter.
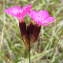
x: 42, y: 18
x: 18, y: 12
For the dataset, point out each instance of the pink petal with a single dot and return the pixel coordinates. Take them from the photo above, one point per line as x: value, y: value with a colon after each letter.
x: 44, y: 14
x: 14, y: 11
x: 32, y: 14
x: 18, y: 12
x: 48, y: 21
x: 41, y: 17
x: 26, y: 9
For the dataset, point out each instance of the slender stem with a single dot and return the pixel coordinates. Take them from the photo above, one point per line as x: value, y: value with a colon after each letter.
x: 33, y: 31
x: 29, y: 34
x: 25, y: 36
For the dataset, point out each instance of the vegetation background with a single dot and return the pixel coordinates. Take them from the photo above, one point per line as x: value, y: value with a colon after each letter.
x: 49, y: 46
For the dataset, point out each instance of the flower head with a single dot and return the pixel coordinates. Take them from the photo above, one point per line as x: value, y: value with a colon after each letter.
x: 17, y: 11
x: 41, y: 18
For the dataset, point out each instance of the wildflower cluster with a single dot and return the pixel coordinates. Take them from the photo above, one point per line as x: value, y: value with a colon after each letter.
x: 31, y: 32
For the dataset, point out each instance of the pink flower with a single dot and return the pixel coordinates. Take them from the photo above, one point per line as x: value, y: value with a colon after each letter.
x: 42, y: 18
x: 17, y: 11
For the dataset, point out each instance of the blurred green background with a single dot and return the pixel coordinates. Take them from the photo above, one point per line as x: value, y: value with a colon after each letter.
x: 49, y: 46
